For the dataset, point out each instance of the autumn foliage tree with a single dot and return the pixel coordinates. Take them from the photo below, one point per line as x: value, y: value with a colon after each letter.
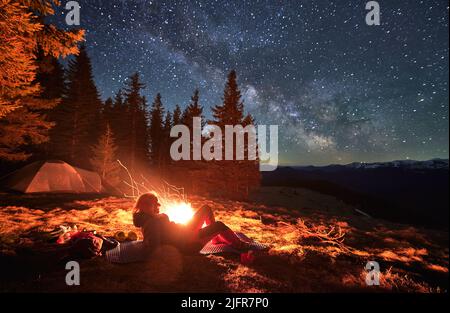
x: 22, y: 34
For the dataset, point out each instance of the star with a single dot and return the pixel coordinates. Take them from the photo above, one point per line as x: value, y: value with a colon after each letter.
x: 339, y: 90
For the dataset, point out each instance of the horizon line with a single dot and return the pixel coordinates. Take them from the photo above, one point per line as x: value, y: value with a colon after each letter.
x: 362, y: 162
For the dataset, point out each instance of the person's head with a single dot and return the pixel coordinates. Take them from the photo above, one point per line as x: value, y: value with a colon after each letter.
x: 147, y: 203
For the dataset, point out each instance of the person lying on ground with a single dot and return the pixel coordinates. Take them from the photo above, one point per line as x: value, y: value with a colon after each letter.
x: 158, y: 230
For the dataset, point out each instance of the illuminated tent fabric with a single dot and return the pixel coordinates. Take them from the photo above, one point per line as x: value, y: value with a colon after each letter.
x: 53, y: 177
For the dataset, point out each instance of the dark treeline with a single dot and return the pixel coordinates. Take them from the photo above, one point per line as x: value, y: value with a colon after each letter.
x: 92, y: 134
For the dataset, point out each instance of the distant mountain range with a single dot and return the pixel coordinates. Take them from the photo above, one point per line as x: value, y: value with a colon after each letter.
x: 406, y: 191
x: 409, y: 164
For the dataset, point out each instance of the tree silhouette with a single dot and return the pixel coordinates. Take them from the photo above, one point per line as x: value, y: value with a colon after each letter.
x: 194, y: 109
x: 107, y: 112
x: 177, y: 115
x: 231, y: 111
x: 51, y: 78
x: 76, y: 124
x: 168, y: 123
x: 118, y: 121
x: 157, y: 133
x: 136, y: 126
x: 238, y: 177
x: 21, y: 120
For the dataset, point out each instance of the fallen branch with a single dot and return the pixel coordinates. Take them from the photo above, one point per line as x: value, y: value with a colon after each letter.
x: 330, y: 235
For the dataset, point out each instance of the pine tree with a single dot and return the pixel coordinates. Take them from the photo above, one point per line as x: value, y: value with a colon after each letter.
x: 136, y: 118
x: 107, y: 112
x: 76, y: 124
x: 104, y: 160
x: 51, y: 78
x: 119, y: 125
x: 118, y: 99
x: 143, y: 137
x: 177, y: 118
x: 168, y: 123
x: 22, y: 31
x: 241, y: 176
x: 231, y: 112
x: 194, y: 109
x: 157, y: 131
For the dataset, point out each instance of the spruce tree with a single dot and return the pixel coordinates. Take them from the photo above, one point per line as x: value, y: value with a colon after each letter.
x: 119, y: 125
x: 136, y: 145
x: 168, y: 123
x: 22, y: 30
x: 107, y: 112
x: 104, y: 160
x: 76, y: 127
x: 177, y: 118
x: 143, y: 137
x: 157, y: 131
x: 194, y: 109
x: 241, y: 176
x: 231, y: 111
x: 51, y: 78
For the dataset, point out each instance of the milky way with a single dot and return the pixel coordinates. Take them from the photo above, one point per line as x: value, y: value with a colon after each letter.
x: 340, y: 90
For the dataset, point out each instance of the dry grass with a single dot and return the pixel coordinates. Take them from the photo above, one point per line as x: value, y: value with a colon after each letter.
x: 310, y: 251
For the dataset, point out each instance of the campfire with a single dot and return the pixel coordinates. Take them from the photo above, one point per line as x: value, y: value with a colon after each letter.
x: 178, y: 211
x: 172, y: 199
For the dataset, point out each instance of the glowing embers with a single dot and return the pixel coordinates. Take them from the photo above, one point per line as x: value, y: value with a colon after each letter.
x: 172, y: 199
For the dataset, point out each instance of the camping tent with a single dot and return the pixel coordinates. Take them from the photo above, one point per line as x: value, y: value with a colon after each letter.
x: 55, y: 177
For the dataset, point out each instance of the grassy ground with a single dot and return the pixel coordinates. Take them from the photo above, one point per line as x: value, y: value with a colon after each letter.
x: 317, y: 244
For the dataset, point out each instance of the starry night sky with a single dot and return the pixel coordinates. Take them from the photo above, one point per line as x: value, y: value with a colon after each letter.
x: 340, y: 91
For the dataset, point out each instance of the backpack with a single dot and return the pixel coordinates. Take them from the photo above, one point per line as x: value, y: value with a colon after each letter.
x: 85, y: 245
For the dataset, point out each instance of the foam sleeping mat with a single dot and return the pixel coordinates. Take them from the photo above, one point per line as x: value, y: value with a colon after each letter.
x: 211, y: 248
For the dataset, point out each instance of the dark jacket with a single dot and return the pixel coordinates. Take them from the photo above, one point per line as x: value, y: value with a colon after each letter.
x: 159, y: 230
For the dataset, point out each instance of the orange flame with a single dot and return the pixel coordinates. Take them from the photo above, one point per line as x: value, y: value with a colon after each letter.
x: 178, y: 212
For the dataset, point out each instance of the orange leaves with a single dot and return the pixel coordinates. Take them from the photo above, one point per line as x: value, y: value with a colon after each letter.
x: 44, y: 7
x: 59, y: 43
x: 22, y: 34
